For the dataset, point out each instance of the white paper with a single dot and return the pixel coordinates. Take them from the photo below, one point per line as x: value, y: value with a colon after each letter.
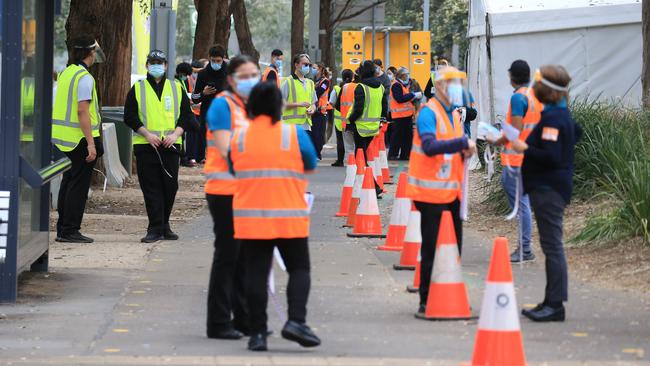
x: 309, y: 198
x: 464, y: 215
x: 487, y: 130
x: 510, y: 132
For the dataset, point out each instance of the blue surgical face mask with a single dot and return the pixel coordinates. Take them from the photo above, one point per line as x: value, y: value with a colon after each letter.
x: 278, y: 64
x: 245, y: 86
x: 314, y: 71
x: 156, y: 70
x: 405, y: 82
x: 455, y: 94
x: 305, y: 70
x: 183, y: 77
x: 216, y: 66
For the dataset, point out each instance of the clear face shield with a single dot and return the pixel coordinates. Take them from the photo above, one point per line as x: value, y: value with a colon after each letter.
x: 100, y: 57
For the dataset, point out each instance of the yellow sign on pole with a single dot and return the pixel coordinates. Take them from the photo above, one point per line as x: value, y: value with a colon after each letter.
x: 352, y: 49
x: 141, y: 37
x: 420, y: 56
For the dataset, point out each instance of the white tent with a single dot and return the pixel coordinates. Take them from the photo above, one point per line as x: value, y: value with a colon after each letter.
x: 599, y: 42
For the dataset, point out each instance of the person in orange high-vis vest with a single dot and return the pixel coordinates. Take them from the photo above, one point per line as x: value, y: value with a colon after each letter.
x: 436, y: 169
x: 273, y: 71
x: 524, y: 112
x: 270, y: 156
x: 319, y: 119
x: 401, y: 107
x: 227, y: 310
x: 344, y: 102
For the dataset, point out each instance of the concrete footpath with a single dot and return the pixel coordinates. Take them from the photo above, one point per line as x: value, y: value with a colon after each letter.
x: 155, y: 315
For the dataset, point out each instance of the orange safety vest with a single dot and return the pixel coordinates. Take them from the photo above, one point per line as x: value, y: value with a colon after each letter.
x: 347, y: 101
x: 438, y: 178
x: 218, y: 178
x: 269, y: 70
x: 270, y: 199
x: 400, y: 110
x: 196, y: 108
x: 323, y: 101
x: 510, y: 157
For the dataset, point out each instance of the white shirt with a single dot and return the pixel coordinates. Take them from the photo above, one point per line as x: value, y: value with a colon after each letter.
x: 85, y: 88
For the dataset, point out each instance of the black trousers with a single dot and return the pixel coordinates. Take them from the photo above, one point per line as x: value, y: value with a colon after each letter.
x: 430, y: 225
x: 259, y: 257
x: 318, y: 126
x: 340, y: 147
x: 361, y: 142
x: 226, y: 291
x: 73, y: 192
x: 401, y: 138
x: 196, y: 143
x: 548, y: 206
x: 159, y: 190
x: 389, y: 134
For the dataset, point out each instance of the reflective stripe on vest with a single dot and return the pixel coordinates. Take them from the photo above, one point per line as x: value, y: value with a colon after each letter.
x: 66, y: 131
x: 162, y: 125
x: 400, y: 110
x: 510, y: 157
x: 338, y: 119
x: 368, y: 124
x: 429, y: 184
x: 247, y: 174
x: 270, y: 213
x: 298, y: 115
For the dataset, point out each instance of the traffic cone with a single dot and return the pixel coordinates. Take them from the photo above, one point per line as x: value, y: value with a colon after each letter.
x: 498, y: 339
x: 415, y: 287
x: 383, y: 159
x: 368, y: 222
x: 399, y: 217
x: 356, y: 189
x: 346, y: 193
x: 447, y: 298
x: 373, y: 161
x: 412, y: 242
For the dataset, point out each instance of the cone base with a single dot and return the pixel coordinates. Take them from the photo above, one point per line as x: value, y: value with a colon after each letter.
x: 400, y: 267
x: 346, y: 225
x: 412, y: 289
x: 389, y: 248
x: 424, y: 317
x: 353, y: 235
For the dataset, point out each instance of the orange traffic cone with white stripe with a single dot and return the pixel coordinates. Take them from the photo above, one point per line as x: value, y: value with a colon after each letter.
x: 399, y: 217
x: 348, y: 184
x: 368, y: 222
x: 373, y: 161
x: 447, y: 299
x: 415, y: 287
x: 356, y: 188
x: 412, y: 242
x: 498, y: 340
x: 383, y: 158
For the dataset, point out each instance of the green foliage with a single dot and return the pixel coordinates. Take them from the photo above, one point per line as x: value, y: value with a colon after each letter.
x: 270, y: 23
x: 405, y: 12
x: 184, y: 29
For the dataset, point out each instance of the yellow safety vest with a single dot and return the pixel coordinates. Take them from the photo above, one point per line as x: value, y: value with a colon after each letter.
x: 27, y: 99
x: 338, y: 121
x: 158, y: 116
x: 66, y: 132
x: 298, y: 94
x: 368, y: 124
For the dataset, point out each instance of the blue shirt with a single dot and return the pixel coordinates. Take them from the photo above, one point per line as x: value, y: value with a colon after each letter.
x: 426, y: 121
x: 518, y: 104
x: 218, y: 117
x: 426, y: 125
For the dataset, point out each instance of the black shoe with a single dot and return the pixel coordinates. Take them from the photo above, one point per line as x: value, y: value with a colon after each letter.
x: 257, y: 342
x: 518, y: 257
x: 421, y: 309
x: 225, y: 334
x: 152, y: 238
x: 170, y: 235
x: 538, y: 307
x: 546, y: 314
x: 74, y: 238
x: 337, y: 163
x: 300, y: 333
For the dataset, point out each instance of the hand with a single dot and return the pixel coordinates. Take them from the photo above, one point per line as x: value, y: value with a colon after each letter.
x: 418, y: 95
x: 169, y: 140
x: 208, y: 90
x: 311, y: 110
x: 92, y: 154
x: 471, y: 149
x: 519, y: 146
x: 153, y: 140
x: 305, y: 104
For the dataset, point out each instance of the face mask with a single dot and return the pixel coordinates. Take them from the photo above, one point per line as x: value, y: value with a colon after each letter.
x: 278, y: 64
x: 405, y: 82
x: 377, y: 70
x: 156, y: 70
x: 455, y: 94
x: 305, y: 70
x: 314, y: 71
x: 390, y: 77
x: 195, y: 74
x: 216, y: 66
x: 183, y: 77
x: 245, y: 86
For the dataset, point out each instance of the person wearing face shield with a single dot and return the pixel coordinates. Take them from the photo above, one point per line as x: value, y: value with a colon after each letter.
x: 209, y: 82
x: 158, y: 112
x: 299, y: 94
x: 436, y: 169
x: 227, y: 310
x: 402, y: 111
x: 273, y: 72
x: 76, y: 132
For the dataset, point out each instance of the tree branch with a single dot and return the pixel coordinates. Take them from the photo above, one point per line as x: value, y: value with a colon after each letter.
x: 341, y: 17
x: 343, y: 10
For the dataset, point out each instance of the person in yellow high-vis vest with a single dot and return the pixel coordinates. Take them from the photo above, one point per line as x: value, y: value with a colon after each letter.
x: 299, y: 94
x: 76, y: 133
x: 159, y: 112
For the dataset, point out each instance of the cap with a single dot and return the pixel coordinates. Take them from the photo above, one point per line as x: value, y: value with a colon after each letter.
x: 197, y: 65
x: 520, y: 70
x: 377, y: 62
x: 156, y: 55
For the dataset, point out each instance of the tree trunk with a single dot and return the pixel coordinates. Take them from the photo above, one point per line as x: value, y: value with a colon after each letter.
x: 205, y: 27
x: 242, y: 29
x: 297, y: 27
x: 114, y: 35
x: 326, y: 41
x: 222, y: 23
x: 646, y: 54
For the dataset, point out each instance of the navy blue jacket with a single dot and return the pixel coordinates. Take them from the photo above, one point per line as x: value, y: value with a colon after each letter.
x: 548, y: 161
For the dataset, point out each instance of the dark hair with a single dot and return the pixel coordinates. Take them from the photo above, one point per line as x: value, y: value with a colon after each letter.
x: 79, y: 48
x: 265, y: 99
x: 346, y: 77
x: 235, y: 63
x: 367, y: 70
x: 520, y: 72
x: 377, y: 62
x: 296, y: 58
x: 392, y: 69
x: 183, y: 68
x: 217, y: 51
x: 557, y: 75
x: 276, y: 52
